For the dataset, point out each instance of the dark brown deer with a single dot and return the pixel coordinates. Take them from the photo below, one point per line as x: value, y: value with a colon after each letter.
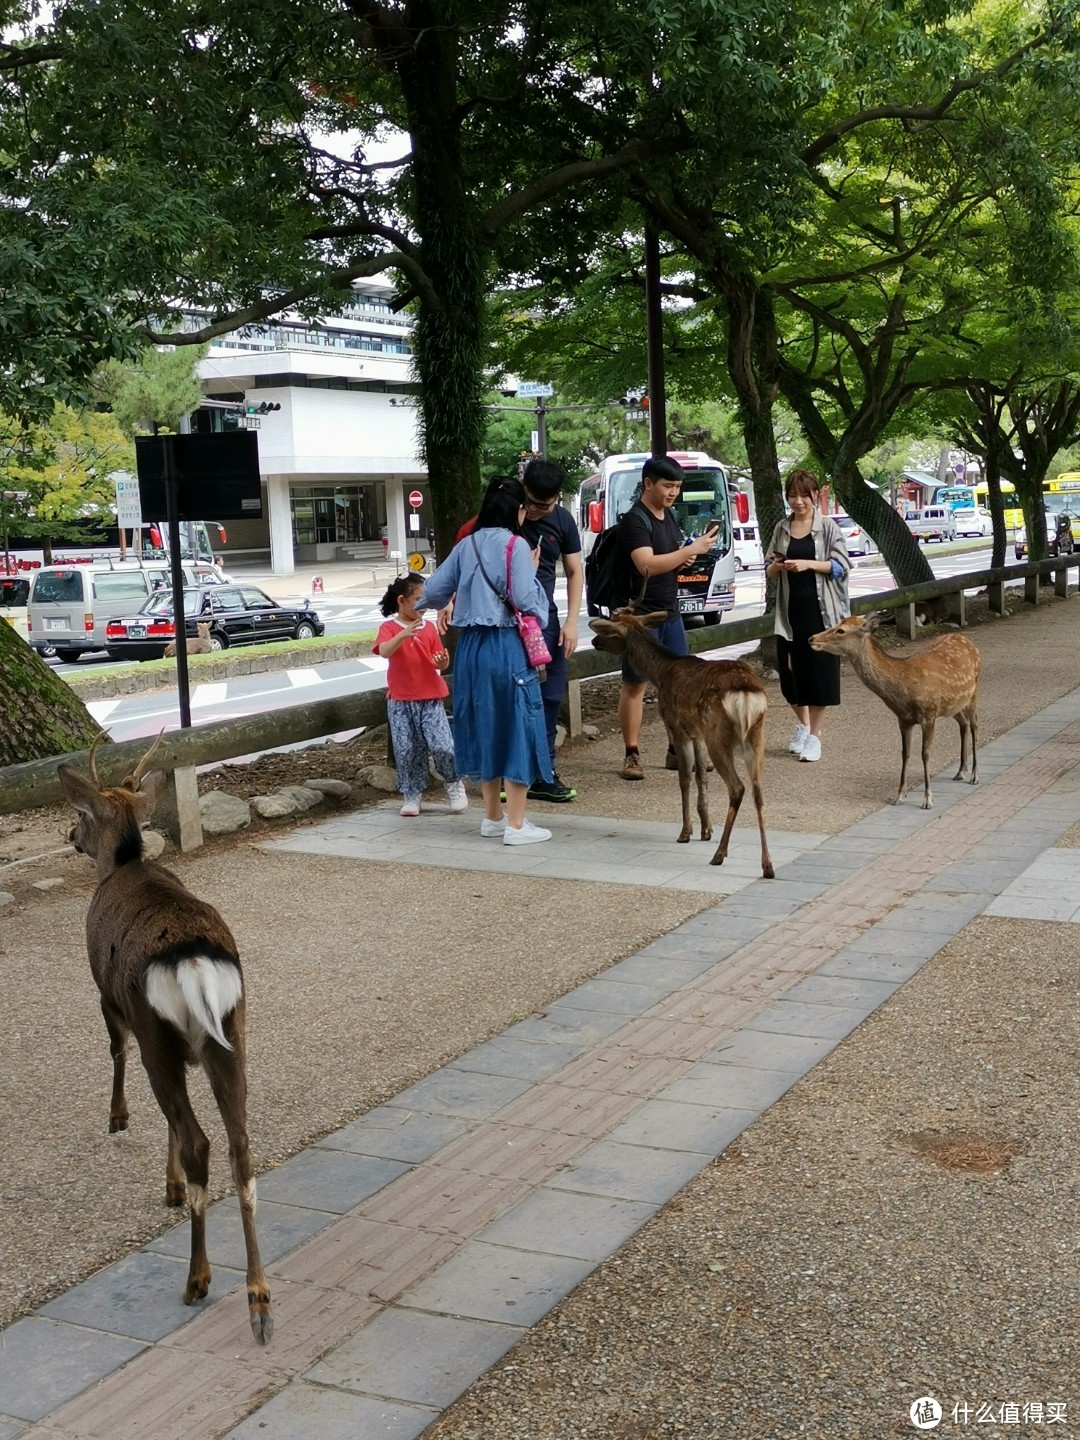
x: 940, y: 678
x: 709, y: 707
x: 168, y: 972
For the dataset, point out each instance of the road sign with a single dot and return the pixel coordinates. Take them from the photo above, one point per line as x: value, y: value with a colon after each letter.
x: 636, y: 414
x: 416, y: 561
x: 534, y: 390
x: 128, y: 503
x: 414, y: 523
x: 416, y: 499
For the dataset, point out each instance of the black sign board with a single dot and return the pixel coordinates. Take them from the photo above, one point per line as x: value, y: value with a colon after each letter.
x: 217, y: 476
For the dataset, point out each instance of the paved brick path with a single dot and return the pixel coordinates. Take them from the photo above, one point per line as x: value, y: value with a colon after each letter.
x: 411, y: 1249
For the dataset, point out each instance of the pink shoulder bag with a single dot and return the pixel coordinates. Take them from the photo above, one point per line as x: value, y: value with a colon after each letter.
x: 532, y: 635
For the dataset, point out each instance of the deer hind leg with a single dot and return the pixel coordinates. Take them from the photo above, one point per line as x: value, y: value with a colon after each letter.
x: 228, y: 1081
x: 906, y: 731
x: 754, y: 753
x: 968, y: 723
x: 118, y: 1040
x: 175, y: 1181
x: 725, y: 768
x: 927, y: 741
x: 683, y: 747
x: 701, y: 776
x: 164, y: 1062
x: 973, y: 727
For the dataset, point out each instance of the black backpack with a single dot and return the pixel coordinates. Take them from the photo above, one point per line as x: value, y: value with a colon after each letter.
x: 608, y: 581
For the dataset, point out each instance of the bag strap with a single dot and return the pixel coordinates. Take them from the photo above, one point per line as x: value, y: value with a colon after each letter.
x: 509, y: 579
x: 483, y: 571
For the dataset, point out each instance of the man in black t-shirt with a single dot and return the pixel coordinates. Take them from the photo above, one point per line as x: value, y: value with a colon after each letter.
x: 652, y: 542
x: 551, y: 527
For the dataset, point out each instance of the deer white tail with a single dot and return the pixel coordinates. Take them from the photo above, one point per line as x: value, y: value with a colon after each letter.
x: 744, y: 707
x: 195, y: 995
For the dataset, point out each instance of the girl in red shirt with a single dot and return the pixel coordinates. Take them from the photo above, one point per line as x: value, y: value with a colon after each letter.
x: 415, y: 690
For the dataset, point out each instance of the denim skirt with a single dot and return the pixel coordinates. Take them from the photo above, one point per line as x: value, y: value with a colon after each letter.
x: 499, y: 729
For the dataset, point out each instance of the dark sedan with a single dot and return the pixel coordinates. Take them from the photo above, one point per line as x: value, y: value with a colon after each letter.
x: 236, y: 614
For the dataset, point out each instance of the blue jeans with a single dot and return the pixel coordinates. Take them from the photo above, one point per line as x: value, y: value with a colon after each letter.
x: 553, y: 686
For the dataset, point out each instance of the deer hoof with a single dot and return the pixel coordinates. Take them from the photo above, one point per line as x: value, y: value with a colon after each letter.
x: 262, y: 1319
x: 684, y: 838
x: 718, y: 859
x: 767, y: 872
x: 928, y: 803
x: 117, y: 1122
x: 175, y: 1193
x: 196, y: 1288
x: 706, y: 834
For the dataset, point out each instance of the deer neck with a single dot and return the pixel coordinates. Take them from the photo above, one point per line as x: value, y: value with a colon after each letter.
x: 877, y: 670
x: 648, y: 657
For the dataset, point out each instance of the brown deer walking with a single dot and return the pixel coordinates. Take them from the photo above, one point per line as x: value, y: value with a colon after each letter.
x: 198, y: 644
x: 939, y: 679
x: 168, y: 972
x: 708, y: 706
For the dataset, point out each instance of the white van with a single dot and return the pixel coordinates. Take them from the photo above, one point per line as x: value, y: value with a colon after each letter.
x: 70, y: 604
x: 934, y: 522
x: 747, y: 546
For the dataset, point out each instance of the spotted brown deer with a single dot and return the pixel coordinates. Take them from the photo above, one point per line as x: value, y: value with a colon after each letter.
x: 939, y: 679
x: 168, y: 972
x: 197, y: 645
x: 710, y: 708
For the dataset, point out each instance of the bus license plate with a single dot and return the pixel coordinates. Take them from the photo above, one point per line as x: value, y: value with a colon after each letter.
x: 691, y: 607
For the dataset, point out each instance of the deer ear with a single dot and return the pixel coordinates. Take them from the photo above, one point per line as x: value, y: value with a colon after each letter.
x: 80, y: 789
x: 602, y: 627
x: 150, y: 790
x: 874, y: 619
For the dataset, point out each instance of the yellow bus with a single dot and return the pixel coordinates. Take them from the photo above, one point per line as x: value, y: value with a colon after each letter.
x: 1010, y: 507
x: 1063, y: 494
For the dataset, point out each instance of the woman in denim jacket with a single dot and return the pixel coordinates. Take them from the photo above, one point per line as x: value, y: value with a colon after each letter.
x: 808, y: 555
x: 499, y: 733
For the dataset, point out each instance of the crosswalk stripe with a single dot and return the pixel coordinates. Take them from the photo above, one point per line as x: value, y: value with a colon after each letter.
x: 209, y: 694
x: 102, y: 709
x: 300, y: 678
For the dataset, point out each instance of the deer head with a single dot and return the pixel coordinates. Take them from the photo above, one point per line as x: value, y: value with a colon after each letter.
x: 855, y: 630
x: 110, y: 818
x: 612, y: 636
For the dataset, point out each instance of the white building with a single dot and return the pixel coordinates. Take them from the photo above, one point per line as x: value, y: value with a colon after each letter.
x: 341, y: 453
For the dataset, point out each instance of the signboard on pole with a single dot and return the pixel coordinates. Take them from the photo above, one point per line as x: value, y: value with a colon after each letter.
x: 217, y: 475
x: 535, y: 390
x: 416, y: 499
x: 128, y: 503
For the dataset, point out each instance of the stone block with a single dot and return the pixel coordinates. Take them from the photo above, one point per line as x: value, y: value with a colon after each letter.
x: 222, y: 813
x: 274, y: 807
x: 338, y: 789
x: 304, y: 797
x: 379, y: 777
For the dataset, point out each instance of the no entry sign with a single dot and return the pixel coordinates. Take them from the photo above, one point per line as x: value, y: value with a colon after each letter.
x: 415, y: 499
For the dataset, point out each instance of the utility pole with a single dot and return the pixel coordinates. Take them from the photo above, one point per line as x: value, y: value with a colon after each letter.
x: 654, y: 344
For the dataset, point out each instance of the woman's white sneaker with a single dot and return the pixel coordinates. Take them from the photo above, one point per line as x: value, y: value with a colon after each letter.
x: 493, y: 829
x: 529, y: 834
x: 459, y: 801
x: 411, y: 806
x: 798, y: 740
x: 812, y: 749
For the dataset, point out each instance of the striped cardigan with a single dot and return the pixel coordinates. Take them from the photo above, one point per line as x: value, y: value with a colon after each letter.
x: 832, y: 589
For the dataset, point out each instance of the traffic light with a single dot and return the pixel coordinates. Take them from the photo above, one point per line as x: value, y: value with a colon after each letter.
x: 264, y: 408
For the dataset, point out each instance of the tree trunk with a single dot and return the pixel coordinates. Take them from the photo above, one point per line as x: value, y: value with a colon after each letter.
x: 451, y: 317
x: 901, y: 551
x: 42, y: 715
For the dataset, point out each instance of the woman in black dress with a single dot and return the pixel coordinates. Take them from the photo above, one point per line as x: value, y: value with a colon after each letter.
x: 808, y: 555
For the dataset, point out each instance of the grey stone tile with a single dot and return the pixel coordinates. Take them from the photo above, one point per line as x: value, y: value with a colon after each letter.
x: 615, y: 997
x: 892, y: 969
x: 465, y: 1093
x: 891, y: 939
x: 520, y: 1059
x: 45, y: 1363
x: 334, y: 1180
x: 736, y: 1087
x: 718, y: 925
x: 829, y: 1022
x: 396, y: 1134
x: 982, y: 875
x: 423, y: 1359
x: 1033, y: 907
x: 281, y: 1228
x: 823, y: 872
x: 492, y: 1282
x: 665, y: 1125
x: 140, y: 1296
x: 852, y: 994
x: 765, y: 1050
x: 773, y: 904
x: 562, y: 1222
x: 566, y: 1026
x: 708, y: 949
x: 674, y: 971
x: 629, y: 1172
x: 11, y: 1429
x: 938, y: 912
x: 868, y: 846
x: 312, y: 1412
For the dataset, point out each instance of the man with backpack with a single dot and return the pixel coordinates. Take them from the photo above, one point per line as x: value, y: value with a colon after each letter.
x: 650, y: 542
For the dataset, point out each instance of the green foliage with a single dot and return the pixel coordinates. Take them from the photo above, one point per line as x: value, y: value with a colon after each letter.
x: 62, y: 472
x: 158, y: 389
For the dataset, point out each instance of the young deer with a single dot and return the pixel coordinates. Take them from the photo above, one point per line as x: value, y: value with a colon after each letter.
x: 714, y: 706
x: 168, y: 972
x: 941, y: 678
x: 197, y: 645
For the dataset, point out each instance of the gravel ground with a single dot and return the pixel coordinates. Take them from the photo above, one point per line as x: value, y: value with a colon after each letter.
x: 813, y: 1281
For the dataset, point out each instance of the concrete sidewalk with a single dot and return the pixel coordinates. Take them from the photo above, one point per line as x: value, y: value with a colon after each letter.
x: 410, y: 1250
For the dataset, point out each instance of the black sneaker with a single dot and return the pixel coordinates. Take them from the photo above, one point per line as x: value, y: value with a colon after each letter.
x: 553, y: 790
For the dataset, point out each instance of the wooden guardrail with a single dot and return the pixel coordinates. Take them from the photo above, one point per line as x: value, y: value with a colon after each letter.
x: 23, y: 787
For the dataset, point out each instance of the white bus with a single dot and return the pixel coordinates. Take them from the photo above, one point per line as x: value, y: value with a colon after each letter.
x: 706, y: 584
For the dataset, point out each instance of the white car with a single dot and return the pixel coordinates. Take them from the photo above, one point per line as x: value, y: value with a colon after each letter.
x: 974, y: 522
x: 856, y: 539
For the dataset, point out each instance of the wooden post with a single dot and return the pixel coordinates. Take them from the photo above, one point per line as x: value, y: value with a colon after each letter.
x: 906, y: 623
x: 995, y: 597
x: 180, y: 809
x: 573, y: 708
x: 1061, y: 582
x: 1031, y: 588
x: 956, y: 607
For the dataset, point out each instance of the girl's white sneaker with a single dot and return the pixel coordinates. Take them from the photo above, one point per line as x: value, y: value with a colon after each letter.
x: 411, y: 806
x: 455, y: 793
x: 798, y: 740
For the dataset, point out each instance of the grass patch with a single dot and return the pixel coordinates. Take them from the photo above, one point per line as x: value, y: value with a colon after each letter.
x: 311, y: 651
